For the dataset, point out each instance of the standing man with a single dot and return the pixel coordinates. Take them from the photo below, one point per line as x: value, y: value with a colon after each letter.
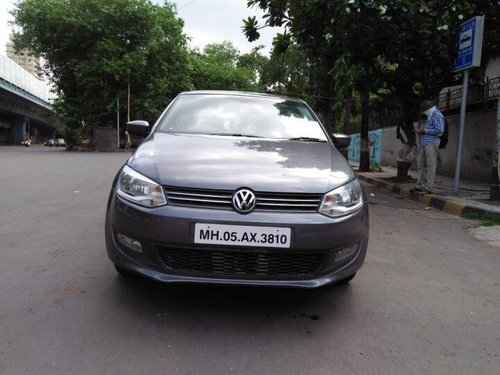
x: 429, y: 143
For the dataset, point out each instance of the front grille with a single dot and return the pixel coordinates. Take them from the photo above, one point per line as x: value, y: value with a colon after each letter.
x: 222, y: 199
x: 241, y: 263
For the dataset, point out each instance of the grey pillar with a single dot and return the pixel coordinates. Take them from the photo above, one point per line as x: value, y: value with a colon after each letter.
x: 19, y: 129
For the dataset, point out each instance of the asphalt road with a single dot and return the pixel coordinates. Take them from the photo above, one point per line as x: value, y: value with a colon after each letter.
x: 426, y: 301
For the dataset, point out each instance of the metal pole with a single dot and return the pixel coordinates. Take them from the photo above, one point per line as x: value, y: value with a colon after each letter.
x: 463, y: 107
x: 128, y: 97
x: 118, y: 121
x: 495, y: 170
x: 498, y: 137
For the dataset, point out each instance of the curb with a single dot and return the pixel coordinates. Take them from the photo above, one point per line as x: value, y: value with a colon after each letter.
x: 441, y: 203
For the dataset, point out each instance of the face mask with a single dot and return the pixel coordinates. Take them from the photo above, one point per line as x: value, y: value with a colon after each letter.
x: 428, y: 112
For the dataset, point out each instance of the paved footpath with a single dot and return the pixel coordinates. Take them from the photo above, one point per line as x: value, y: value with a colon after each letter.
x: 472, y: 198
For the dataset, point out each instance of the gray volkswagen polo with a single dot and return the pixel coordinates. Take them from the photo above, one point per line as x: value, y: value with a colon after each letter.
x: 237, y: 188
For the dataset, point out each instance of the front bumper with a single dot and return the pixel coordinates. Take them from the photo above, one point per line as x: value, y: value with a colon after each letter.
x: 169, y: 231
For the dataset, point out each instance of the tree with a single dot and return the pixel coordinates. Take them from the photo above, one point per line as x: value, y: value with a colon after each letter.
x: 313, y: 27
x: 424, y: 51
x: 218, y: 68
x: 285, y: 72
x: 257, y: 64
x: 398, y: 51
x: 92, y: 49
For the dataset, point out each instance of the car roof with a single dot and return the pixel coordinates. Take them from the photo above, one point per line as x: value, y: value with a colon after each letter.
x: 239, y: 93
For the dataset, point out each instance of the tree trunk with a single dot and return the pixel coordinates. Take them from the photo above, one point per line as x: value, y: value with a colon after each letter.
x: 364, y: 157
x: 328, y: 109
x: 347, y: 111
x: 329, y: 117
x: 406, y: 126
x: 403, y: 168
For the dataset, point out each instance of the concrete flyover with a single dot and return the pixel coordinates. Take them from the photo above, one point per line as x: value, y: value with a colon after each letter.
x: 25, y: 106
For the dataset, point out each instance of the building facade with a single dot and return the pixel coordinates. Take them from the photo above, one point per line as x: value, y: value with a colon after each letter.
x: 23, y: 58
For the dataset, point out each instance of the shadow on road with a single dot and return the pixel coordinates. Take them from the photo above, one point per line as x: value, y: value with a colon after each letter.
x: 236, y: 307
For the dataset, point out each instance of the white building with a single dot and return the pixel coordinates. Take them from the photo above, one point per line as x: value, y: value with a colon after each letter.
x: 23, y: 58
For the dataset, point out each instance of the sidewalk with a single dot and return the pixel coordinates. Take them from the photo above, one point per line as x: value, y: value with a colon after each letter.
x: 472, y: 197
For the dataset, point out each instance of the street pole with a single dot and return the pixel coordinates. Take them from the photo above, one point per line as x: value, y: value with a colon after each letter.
x: 498, y: 137
x: 118, y: 122
x: 463, y: 107
x: 495, y: 171
x: 128, y: 97
x: 127, y: 140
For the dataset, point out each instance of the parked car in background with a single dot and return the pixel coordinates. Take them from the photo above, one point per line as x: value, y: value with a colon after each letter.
x: 60, y: 142
x: 50, y: 142
x: 237, y: 188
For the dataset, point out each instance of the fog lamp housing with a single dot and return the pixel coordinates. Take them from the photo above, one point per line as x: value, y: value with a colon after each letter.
x: 346, y: 253
x: 129, y: 242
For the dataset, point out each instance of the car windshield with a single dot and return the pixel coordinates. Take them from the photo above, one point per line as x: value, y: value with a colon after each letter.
x: 240, y: 115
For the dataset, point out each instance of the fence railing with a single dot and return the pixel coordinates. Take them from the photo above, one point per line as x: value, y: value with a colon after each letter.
x: 477, y: 94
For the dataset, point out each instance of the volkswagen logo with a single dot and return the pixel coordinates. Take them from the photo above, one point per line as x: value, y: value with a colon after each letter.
x: 244, y: 201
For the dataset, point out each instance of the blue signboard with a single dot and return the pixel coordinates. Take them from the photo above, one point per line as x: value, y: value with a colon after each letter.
x: 470, y: 41
x: 375, y: 139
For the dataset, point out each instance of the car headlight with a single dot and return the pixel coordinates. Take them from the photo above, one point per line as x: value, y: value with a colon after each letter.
x: 342, y: 200
x: 139, y: 189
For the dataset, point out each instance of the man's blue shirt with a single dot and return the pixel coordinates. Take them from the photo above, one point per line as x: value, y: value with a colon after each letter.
x: 434, y: 128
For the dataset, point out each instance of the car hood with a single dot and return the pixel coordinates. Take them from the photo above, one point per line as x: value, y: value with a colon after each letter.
x: 228, y: 163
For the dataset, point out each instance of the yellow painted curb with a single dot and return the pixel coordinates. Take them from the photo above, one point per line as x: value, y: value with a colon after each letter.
x: 453, y: 208
x: 389, y: 187
x: 405, y: 192
x: 425, y: 199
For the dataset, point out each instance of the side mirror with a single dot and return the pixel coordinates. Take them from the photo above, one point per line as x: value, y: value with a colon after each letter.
x: 341, y: 140
x: 138, y: 128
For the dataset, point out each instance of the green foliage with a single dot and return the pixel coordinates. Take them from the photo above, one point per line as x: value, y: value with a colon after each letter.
x: 399, y: 51
x: 224, y: 53
x: 73, y: 135
x: 250, y: 28
x: 286, y: 72
x: 257, y: 64
x: 490, y: 220
x: 487, y: 220
x: 374, y: 166
x: 91, y: 49
x: 219, y: 68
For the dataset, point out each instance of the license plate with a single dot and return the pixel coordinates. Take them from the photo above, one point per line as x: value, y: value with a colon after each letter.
x: 242, y: 235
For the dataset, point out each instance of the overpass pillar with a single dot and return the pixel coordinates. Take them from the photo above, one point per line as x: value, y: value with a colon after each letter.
x: 20, y: 128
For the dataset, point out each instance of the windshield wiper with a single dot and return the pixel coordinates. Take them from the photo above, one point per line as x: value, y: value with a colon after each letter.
x: 236, y: 135
x: 307, y: 139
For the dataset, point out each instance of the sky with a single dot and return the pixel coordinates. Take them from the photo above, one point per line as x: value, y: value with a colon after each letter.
x: 5, y: 6
x: 214, y: 21
x: 205, y: 21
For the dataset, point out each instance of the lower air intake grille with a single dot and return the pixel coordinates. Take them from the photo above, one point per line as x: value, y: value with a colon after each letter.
x: 241, y: 263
